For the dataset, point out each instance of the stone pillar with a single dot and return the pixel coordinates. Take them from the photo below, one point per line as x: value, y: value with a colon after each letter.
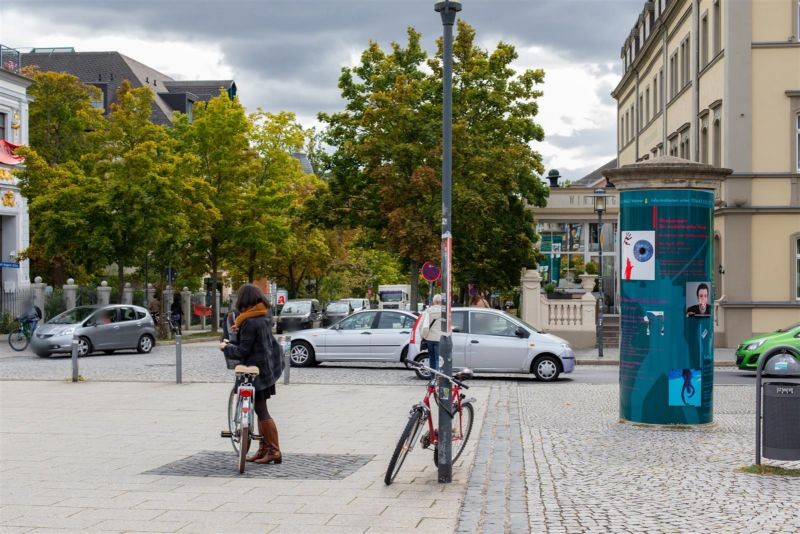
x: 666, y: 228
x: 37, y: 293
x: 127, y: 294
x: 530, y: 300
x: 589, y: 310
x: 166, y: 298
x: 70, y: 293
x: 149, y: 291
x: 186, y: 302
x: 103, y: 293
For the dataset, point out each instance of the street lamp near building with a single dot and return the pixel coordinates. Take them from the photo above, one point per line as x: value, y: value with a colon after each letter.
x: 447, y: 10
x: 599, y: 199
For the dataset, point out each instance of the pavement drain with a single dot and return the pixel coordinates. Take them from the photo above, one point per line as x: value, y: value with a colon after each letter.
x: 294, y: 466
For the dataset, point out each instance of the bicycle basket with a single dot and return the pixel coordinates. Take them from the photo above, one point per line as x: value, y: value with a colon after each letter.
x: 231, y: 363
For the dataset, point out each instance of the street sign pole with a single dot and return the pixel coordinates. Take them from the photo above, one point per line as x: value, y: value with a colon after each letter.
x: 447, y: 10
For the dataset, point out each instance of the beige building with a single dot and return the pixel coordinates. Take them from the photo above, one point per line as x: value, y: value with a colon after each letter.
x: 718, y: 81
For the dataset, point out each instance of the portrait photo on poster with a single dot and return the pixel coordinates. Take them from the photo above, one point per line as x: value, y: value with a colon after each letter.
x: 698, y: 299
x: 638, y: 255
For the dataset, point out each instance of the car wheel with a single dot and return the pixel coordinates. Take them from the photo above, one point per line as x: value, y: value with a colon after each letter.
x: 84, y: 346
x: 302, y: 354
x: 145, y: 345
x: 422, y: 374
x: 546, y: 368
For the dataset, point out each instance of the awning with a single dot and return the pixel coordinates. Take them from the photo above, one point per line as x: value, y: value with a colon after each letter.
x: 7, y: 153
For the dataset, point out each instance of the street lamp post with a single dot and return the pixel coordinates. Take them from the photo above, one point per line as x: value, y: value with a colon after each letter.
x: 599, y: 199
x: 447, y: 10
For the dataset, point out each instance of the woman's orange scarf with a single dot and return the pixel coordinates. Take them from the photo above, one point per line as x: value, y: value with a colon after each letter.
x: 258, y: 310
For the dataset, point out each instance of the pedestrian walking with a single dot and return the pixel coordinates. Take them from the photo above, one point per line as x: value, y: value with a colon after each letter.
x: 432, y: 330
x: 257, y: 346
x: 176, y: 313
x: 155, y: 307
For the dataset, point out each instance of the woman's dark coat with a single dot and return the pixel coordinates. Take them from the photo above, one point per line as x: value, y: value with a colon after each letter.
x: 254, y: 348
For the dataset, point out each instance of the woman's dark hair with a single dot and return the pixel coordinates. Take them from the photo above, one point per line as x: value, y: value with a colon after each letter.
x: 248, y: 296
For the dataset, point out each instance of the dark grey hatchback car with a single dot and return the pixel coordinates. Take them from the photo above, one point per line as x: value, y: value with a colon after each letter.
x: 99, y: 328
x: 299, y: 315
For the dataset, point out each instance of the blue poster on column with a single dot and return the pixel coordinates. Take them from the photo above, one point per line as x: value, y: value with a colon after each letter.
x: 666, y: 323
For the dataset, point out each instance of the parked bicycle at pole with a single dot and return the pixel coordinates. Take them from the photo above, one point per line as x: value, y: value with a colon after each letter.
x: 463, y: 415
x: 242, y: 429
x: 20, y: 338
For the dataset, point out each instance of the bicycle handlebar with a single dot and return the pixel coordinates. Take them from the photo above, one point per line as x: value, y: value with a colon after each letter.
x: 421, y: 365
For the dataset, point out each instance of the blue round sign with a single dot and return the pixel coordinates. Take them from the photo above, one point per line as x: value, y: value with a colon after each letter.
x: 430, y: 271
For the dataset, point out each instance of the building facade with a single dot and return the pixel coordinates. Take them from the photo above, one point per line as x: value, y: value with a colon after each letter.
x: 14, y: 223
x: 718, y: 82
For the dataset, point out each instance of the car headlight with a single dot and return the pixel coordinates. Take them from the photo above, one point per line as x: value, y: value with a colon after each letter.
x: 755, y: 345
x: 68, y: 331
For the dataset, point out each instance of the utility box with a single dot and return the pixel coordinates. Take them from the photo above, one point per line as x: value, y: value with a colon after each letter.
x: 778, y: 405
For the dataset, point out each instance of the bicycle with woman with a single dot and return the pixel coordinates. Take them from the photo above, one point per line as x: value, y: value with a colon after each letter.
x: 462, y: 417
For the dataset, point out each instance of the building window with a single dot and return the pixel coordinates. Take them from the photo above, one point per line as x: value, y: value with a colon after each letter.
x: 673, y: 75
x: 646, y: 105
x: 797, y: 268
x: 685, y: 70
x: 2, y: 126
x: 717, y: 27
x: 704, y: 141
x: 640, y: 115
x: 704, y: 41
x: 797, y: 145
x: 633, y: 121
x: 717, y: 155
x: 660, y: 99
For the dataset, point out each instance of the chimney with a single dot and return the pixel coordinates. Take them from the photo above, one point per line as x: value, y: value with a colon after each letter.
x: 553, y: 176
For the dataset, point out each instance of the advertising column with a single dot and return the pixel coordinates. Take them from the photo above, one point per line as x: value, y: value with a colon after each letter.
x: 666, y: 233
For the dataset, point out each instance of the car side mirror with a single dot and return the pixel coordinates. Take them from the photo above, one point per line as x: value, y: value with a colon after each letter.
x: 522, y: 333
x: 456, y: 329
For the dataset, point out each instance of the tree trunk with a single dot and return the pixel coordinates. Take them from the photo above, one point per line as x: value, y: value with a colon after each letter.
x: 120, y: 281
x: 251, y: 268
x: 414, y: 273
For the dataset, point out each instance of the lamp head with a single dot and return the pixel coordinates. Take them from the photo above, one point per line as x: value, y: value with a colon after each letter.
x: 599, y: 198
x: 448, y: 5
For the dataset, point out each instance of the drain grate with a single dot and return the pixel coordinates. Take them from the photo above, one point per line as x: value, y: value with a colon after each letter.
x: 294, y: 466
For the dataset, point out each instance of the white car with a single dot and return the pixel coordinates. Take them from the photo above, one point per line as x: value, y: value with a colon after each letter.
x: 367, y: 335
x: 491, y: 341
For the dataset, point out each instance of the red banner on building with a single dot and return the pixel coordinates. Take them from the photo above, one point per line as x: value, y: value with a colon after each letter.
x: 8, y: 155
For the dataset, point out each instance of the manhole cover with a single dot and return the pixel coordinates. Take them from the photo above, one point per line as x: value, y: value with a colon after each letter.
x: 294, y: 466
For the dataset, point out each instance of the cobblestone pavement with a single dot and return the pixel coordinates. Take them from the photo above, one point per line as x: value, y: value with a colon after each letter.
x: 587, y: 472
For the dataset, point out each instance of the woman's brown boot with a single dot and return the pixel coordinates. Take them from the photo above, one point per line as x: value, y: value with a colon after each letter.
x: 263, y: 448
x: 271, y: 437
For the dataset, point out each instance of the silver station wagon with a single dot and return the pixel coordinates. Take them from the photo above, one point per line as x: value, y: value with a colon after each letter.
x: 100, y: 328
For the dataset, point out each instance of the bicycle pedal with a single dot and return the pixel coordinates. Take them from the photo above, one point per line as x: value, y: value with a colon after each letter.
x: 225, y: 434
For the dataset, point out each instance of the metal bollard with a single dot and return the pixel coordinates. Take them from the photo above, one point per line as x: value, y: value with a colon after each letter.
x: 286, y: 343
x: 178, y: 360
x: 75, y: 358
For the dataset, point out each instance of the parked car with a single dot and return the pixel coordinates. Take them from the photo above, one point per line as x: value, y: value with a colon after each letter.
x: 101, y: 328
x: 751, y: 349
x: 367, y: 335
x: 335, y: 312
x: 358, y: 304
x: 299, y: 315
x: 491, y: 341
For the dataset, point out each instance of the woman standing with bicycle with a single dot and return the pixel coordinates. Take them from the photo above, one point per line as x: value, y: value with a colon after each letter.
x: 254, y: 346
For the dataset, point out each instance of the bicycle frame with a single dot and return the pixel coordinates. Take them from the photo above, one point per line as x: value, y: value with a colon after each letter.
x: 426, y: 407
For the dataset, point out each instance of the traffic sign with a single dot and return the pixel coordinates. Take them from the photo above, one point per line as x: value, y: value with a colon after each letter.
x: 171, y: 274
x: 9, y: 264
x: 430, y: 271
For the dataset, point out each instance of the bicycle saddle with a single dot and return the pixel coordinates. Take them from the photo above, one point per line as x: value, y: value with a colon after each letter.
x: 463, y: 374
x: 245, y: 370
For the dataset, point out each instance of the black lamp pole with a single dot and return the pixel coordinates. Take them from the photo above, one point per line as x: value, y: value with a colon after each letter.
x: 447, y: 10
x: 600, y: 206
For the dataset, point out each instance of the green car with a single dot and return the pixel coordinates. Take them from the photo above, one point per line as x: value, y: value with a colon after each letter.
x: 750, y: 349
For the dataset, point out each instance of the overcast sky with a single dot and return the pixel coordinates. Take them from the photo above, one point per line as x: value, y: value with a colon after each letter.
x: 287, y: 54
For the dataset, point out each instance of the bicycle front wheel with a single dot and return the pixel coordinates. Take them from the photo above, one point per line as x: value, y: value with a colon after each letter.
x: 244, y: 446
x: 462, y: 428
x: 18, y: 340
x: 233, y: 410
x: 404, y: 446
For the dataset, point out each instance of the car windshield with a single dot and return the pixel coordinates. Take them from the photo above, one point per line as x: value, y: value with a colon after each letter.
x: 296, y: 308
x: 73, y: 316
x: 788, y: 328
x: 338, y: 307
x: 391, y: 296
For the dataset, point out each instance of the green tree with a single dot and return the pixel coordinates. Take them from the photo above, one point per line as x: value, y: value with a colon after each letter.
x: 217, y: 145
x: 385, y: 167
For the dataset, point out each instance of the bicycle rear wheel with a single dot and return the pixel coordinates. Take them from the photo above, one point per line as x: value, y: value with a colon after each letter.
x: 462, y: 429
x: 18, y: 340
x: 244, y: 446
x: 233, y: 405
x: 404, y: 446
